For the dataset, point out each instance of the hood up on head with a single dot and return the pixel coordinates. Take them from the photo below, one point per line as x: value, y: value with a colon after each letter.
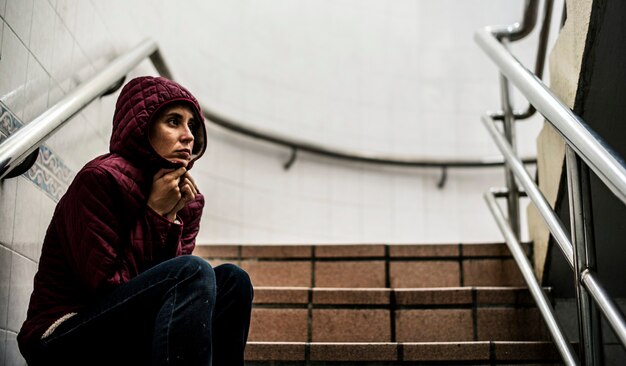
x: 139, y: 101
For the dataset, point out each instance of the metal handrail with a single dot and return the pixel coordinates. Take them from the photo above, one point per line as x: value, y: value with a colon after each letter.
x: 346, y: 154
x: 546, y: 309
x: 581, y: 143
x: 28, y: 138
x: 589, y: 279
x: 543, y: 207
x: 607, y: 164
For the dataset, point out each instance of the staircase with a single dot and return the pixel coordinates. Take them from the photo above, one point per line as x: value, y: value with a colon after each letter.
x: 462, y: 304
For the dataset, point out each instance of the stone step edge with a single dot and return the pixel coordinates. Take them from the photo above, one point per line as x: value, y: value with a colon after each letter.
x: 468, y: 295
x: 355, y: 251
x: 481, y: 351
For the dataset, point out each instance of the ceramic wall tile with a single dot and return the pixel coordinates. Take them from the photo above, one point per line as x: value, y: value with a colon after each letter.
x: 68, y: 140
x: 226, y: 199
x: 5, y: 276
x: 408, y: 224
x: 377, y: 223
x: 61, y: 58
x: 3, y: 338
x: 67, y: 11
x: 13, y: 68
x: 2, y: 25
x: 376, y: 79
x: 13, y: 356
x: 345, y: 222
x: 8, y: 191
x: 42, y: 32
x: 36, y: 89
x: 19, y: 16
x: 21, y: 286
x: 26, y: 236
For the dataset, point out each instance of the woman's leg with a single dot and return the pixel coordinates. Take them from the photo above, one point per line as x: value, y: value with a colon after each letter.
x: 160, y: 317
x: 231, y: 317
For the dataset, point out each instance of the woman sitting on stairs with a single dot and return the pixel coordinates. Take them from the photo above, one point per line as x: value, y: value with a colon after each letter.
x: 117, y: 284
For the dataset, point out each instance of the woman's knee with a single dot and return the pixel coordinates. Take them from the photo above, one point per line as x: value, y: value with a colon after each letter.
x: 193, y: 266
x: 237, y: 279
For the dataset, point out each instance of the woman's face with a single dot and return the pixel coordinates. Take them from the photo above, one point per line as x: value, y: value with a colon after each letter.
x: 171, y: 134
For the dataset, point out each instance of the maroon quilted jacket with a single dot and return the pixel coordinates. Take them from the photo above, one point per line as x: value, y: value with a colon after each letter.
x: 103, y: 233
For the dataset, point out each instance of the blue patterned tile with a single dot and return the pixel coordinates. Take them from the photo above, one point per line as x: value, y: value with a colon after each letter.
x: 49, y: 173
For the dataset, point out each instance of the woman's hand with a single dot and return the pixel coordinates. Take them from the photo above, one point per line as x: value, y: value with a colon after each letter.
x: 188, y: 190
x: 171, y: 191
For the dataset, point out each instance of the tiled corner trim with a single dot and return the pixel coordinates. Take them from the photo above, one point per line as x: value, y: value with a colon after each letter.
x: 49, y: 173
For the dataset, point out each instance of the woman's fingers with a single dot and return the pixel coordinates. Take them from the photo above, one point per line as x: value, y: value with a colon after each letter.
x: 193, y: 182
x: 186, y: 182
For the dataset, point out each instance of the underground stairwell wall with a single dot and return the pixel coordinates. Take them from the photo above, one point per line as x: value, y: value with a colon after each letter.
x: 401, y: 77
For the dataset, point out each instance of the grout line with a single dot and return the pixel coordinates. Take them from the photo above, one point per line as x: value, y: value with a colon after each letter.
x: 387, y: 269
x: 313, y: 262
x: 492, y: 353
x: 7, y: 248
x: 309, y: 325
x: 474, y: 314
x: 364, y: 259
x: 307, y: 353
x: 461, y: 268
x: 309, y: 317
x: 392, y: 297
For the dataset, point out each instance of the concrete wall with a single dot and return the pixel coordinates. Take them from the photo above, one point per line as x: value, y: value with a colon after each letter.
x: 565, y: 69
x: 400, y: 77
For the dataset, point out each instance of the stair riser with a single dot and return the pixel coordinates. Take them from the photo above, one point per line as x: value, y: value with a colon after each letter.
x: 409, y: 325
x: 371, y: 266
x: 474, y: 353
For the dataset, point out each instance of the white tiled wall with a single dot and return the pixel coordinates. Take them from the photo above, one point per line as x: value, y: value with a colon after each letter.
x: 397, y: 77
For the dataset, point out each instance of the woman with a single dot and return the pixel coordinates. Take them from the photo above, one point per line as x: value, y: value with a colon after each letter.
x: 117, y: 284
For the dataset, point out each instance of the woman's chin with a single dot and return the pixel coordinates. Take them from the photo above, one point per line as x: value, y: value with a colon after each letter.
x: 180, y: 162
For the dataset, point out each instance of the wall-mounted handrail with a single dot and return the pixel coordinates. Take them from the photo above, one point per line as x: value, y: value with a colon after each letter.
x: 28, y: 138
x: 346, y: 154
x: 519, y: 30
x: 609, y: 167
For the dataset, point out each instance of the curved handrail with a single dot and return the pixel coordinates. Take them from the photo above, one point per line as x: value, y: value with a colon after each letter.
x: 609, y: 167
x: 28, y: 138
x: 23, y: 142
x: 398, y: 160
x: 519, y: 30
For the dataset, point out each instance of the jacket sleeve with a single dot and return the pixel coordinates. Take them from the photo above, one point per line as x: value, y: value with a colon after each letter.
x: 90, y: 230
x: 114, y: 234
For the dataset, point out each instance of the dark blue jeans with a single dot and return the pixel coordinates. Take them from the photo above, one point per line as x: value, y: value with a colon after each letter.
x: 180, y: 312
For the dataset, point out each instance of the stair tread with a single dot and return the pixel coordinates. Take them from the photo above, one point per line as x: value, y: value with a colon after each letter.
x: 402, y: 351
x: 355, y: 251
x: 401, y: 296
x: 370, y: 265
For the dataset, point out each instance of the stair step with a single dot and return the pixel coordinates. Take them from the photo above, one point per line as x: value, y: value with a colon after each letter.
x: 264, y: 295
x: 370, y: 265
x: 387, y: 304
x: 405, y: 315
x: 475, y: 353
